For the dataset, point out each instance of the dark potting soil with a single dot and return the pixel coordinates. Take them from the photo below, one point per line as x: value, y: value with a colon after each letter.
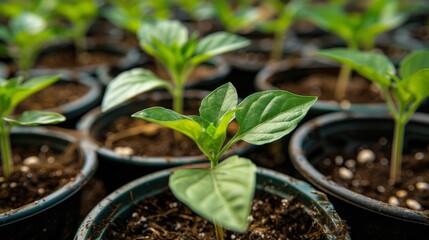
x: 247, y: 58
x: 131, y: 136
x: 38, y: 171
x: 164, y: 217
x: 53, y: 96
x: 66, y: 58
x: 359, y: 90
x: 369, y: 175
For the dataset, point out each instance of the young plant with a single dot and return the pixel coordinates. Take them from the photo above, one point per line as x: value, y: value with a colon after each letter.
x: 358, y: 29
x: 285, y: 15
x: 169, y: 43
x: 403, y: 93
x: 12, y: 92
x: 223, y: 193
x: 24, y: 38
x: 80, y: 14
x: 197, y: 9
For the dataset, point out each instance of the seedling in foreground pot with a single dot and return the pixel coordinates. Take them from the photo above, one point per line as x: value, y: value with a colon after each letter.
x: 12, y: 92
x: 180, y: 54
x: 358, y: 29
x: 403, y: 94
x: 223, y: 193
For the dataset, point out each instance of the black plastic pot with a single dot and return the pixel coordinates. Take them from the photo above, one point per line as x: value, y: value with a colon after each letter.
x: 367, y: 217
x: 55, y: 216
x: 210, y: 82
x: 118, y: 203
x: 77, y: 108
x: 114, y: 169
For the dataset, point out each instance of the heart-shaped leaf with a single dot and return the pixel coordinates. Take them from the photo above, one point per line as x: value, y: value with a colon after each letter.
x: 222, y: 194
x: 417, y: 84
x: 267, y: 116
x: 130, y: 84
x: 373, y: 66
x: 170, y: 33
x: 218, y: 103
x: 414, y: 62
x: 32, y: 118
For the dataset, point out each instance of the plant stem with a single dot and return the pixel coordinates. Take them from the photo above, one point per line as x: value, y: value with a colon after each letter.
x: 277, y: 50
x: 396, y: 158
x: 219, y: 232
x: 342, y: 82
x: 6, y: 150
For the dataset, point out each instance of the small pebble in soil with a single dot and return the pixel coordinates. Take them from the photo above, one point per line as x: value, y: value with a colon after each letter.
x: 339, y: 160
x: 351, y: 163
x: 381, y: 189
x: 345, y: 104
x: 51, y: 159
x: 355, y: 183
x: 44, y: 148
x: 13, y: 185
x: 4, y: 185
x: 24, y: 169
x: 134, y: 215
x: 411, y: 188
x: 422, y: 186
x: 413, y: 204
x: 393, y: 201
x: 401, y: 193
x: 2, y: 179
x: 365, y: 156
x: 419, y: 156
x: 384, y: 161
x: 382, y: 141
x: 327, y: 161
x: 41, y: 191
x: 345, y: 173
x: 127, y: 151
x: 32, y: 160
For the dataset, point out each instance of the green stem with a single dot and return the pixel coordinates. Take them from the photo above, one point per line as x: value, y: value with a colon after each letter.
x: 219, y: 232
x: 277, y: 50
x: 6, y: 150
x: 342, y: 82
x: 396, y: 158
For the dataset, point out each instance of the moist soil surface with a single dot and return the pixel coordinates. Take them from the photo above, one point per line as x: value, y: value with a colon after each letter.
x: 53, y: 96
x: 164, y: 217
x: 369, y: 175
x: 38, y: 171
x: 322, y: 85
x: 131, y: 136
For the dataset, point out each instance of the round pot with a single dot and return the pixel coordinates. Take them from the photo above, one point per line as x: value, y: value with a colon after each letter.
x: 113, y: 165
x: 75, y: 109
x: 55, y: 216
x: 217, y: 67
x: 368, y: 218
x: 293, y: 71
x: 118, y: 203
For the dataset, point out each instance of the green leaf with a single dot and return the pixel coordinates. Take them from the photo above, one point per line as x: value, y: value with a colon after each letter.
x: 417, y: 84
x: 171, y: 119
x: 218, y: 103
x: 222, y: 195
x: 32, y: 118
x: 170, y: 33
x: 414, y: 62
x: 28, y: 22
x: 267, y: 116
x: 130, y: 84
x: 373, y: 66
x: 218, y: 43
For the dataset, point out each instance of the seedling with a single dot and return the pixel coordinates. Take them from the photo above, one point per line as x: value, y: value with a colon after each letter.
x: 286, y: 14
x: 403, y: 93
x: 80, y: 14
x: 169, y: 43
x: 130, y: 14
x: 358, y: 29
x: 223, y: 193
x: 197, y: 9
x: 241, y: 17
x: 24, y: 38
x: 12, y: 92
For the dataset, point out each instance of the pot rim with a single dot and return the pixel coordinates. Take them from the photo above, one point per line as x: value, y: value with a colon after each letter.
x: 304, y: 167
x: 87, y: 171
x: 86, y: 123
x: 262, y: 83
x: 306, y: 191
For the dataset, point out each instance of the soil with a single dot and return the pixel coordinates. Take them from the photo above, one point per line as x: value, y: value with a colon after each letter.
x: 322, y: 84
x: 53, y: 96
x: 150, y: 139
x: 370, y: 178
x: 66, y: 58
x: 38, y: 171
x: 163, y: 217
